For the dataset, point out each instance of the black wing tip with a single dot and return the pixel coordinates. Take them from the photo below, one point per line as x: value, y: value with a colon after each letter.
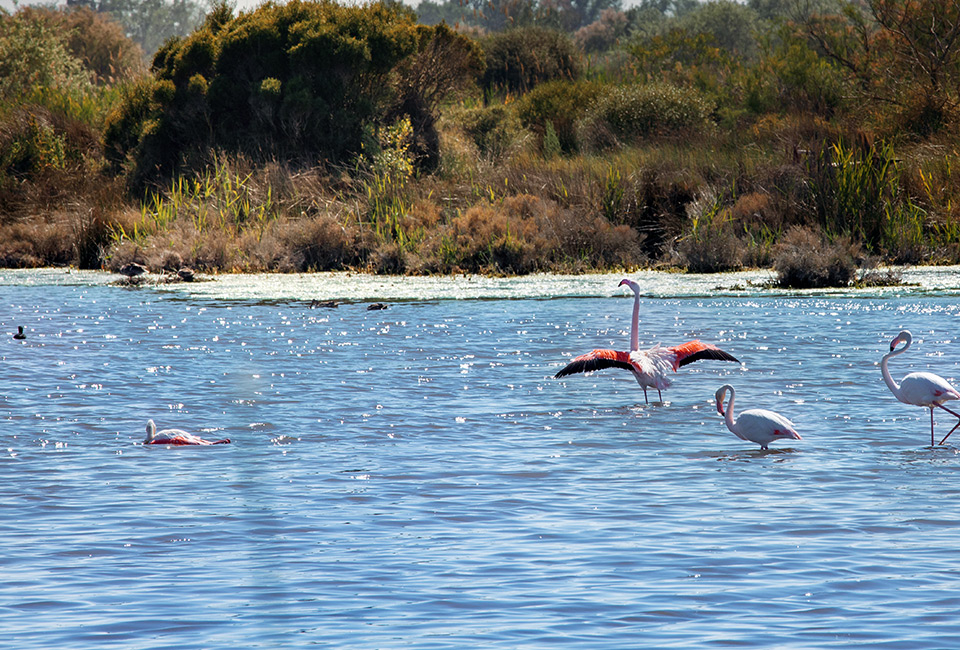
x: 713, y: 354
x: 590, y: 365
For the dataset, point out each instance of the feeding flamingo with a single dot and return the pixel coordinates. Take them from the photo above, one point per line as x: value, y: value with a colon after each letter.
x: 756, y: 425
x: 919, y: 388
x: 176, y: 437
x: 649, y: 367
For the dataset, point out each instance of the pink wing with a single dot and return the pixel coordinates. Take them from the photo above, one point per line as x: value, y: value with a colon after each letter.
x: 597, y: 360
x: 696, y: 351
x: 186, y: 439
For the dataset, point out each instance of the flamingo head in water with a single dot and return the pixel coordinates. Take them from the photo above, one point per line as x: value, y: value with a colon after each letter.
x: 721, y: 396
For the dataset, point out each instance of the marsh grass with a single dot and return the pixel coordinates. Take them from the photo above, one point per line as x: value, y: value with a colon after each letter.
x: 717, y: 204
x: 710, y: 245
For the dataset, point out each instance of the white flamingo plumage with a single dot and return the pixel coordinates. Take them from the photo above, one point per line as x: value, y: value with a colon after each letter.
x: 919, y: 388
x: 756, y: 425
x: 650, y: 367
x: 176, y: 437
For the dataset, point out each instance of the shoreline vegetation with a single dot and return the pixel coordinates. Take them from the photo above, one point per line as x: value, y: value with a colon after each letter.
x: 310, y: 136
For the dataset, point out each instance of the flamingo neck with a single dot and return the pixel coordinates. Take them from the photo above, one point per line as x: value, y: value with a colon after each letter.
x: 885, y: 371
x: 728, y: 412
x: 635, y: 323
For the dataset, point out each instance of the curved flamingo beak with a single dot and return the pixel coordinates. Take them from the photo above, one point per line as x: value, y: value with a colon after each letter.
x: 719, y: 407
x: 897, y: 340
x: 623, y: 282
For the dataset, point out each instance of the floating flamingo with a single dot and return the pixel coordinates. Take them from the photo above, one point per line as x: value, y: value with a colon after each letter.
x: 919, y: 388
x: 756, y: 425
x: 176, y: 437
x: 649, y: 367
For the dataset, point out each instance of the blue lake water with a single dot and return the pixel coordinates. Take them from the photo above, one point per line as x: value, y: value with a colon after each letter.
x: 415, y: 477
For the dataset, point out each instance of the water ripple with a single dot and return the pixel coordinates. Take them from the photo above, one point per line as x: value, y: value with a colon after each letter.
x: 415, y: 477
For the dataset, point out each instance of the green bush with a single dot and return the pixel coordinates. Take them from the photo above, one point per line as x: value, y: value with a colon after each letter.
x: 627, y: 114
x: 302, y: 81
x: 519, y: 59
x: 33, y: 56
x: 94, y: 39
x: 792, y: 76
x: 731, y: 25
x: 560, y: 103
x: 495, y: 130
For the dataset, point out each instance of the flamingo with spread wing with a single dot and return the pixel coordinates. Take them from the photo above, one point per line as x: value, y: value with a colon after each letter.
x: 651, y: 367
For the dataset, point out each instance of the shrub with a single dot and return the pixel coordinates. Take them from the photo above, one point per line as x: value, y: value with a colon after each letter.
x: 495, y: 130
x: 525, y: 233
x: 95, y: 39
x: 320, y: 244
x: 561, y: 104
x: 603, y: 33
x: 792, y: 77
x: 806, y: 260
x: 519, y: 59
x: 627, y: 114
x: 301, y: 81
x: 34, y: 56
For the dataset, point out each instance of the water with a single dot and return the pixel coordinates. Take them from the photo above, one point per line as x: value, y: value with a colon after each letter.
x: 416, y: 478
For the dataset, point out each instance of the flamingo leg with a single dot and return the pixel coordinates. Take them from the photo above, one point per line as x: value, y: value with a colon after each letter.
x: 954, y: 413
x: 931, y: 426
x: 954, y: 426
x: 645, y: 395
x: 951, y: 431
x: 660, y: 395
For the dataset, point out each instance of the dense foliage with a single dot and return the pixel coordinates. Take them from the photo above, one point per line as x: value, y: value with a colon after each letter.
x: 519, y: 59
x: 304, y: 81
x: 522, y: 135
x: 148, y: 23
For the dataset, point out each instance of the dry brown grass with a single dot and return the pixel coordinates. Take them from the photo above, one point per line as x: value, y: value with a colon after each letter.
x: 806, y: 260
x: 629, y: 208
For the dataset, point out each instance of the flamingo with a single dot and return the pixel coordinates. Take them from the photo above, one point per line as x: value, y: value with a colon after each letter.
x: 756, y: 425
x: 649, y: 367
x: 919, y: 388
x: 176, y: 437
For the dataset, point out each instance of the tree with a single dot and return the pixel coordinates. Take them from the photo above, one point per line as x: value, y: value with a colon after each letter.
x: 519, y: 59
x: 149, y: 23
x: 902, y: 53
x: 306, y: 82
x: 731, y: 25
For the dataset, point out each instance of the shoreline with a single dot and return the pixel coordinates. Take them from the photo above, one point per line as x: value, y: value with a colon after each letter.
x: 352, y: 286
